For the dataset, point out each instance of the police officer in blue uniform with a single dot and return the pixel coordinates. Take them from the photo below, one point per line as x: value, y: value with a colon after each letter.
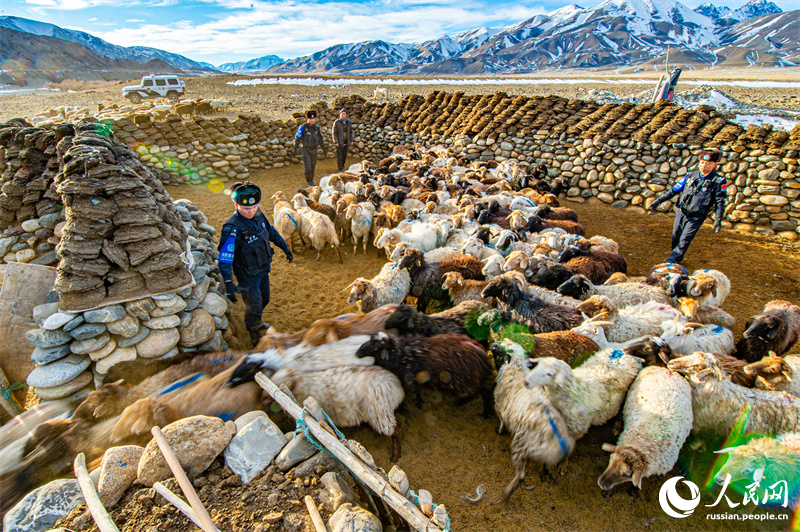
x: 309, y: 138
x: 245, y: 252
x: 700, y: 192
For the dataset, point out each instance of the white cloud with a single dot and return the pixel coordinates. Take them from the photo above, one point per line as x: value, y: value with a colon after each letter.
x: 132, y: 20
x: 291, y: 28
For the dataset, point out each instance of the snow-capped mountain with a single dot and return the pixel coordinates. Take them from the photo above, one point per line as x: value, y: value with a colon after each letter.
x: 615, y: 33
x: 254, y: 65
x: 725, y: 16
x: 140, y: 54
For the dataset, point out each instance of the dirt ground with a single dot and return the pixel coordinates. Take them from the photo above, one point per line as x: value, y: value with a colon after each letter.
x: 447, y: 450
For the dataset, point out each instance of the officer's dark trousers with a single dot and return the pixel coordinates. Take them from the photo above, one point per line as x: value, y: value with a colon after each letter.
x: 255, y: 294
x: 683, y: 232
x: 341, y: 155
x: 309, y: 163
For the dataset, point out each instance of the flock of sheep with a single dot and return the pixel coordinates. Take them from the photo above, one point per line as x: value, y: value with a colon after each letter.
x: 545, y: 320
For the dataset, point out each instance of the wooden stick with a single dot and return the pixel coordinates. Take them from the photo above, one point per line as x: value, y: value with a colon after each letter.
x: 11, y: 405
x: 178, y: 503
x: 183, y: 481
x: 319, y: 524
x: 96, y: 508
x: 377, y: 484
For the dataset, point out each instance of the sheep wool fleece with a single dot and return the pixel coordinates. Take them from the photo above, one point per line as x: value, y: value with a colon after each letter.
x: 245, y: 252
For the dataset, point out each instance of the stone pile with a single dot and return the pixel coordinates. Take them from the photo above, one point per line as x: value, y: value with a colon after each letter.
x: 249, y: 446
x: 137, y: 274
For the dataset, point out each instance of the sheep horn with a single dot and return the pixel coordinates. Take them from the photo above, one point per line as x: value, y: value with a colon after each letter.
x: 603, y: 323
x: 609, y: 447
x: 694, y: 325
x: 637, y: 479
x: 725, y: 450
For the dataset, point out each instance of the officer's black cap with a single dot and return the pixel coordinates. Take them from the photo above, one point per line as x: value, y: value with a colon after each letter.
x: 246, y: 194
x: 713, y: 156
x: 311, y: 114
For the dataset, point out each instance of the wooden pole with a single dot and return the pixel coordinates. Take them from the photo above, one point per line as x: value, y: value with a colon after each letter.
x: 11, y: 405
x: 377, y: 484
x: 319, y: 524
x: 202, y: 515
x: 96, y: 508
x: 178, y: 503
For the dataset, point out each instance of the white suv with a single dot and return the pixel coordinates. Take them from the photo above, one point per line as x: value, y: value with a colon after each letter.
x: 155, y: 87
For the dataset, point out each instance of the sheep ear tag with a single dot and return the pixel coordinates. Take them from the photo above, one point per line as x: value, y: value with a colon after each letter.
x: 419, y: 263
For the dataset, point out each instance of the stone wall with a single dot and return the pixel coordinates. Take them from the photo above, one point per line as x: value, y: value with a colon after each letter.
x: 623, y: 154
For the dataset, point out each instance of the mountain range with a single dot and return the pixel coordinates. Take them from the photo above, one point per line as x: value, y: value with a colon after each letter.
x: 619, y: 34
x: 625, y: 35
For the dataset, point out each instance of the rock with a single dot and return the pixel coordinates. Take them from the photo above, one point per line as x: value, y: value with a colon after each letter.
x: 165, y: 322
x: 58, y: 230
x: 782, y: 225
x: 6, y: 243
x: 42, y: 312
x: 196, y: 441
x: 140, y: 335
x: 164, y: 297
x: 87, y: 331
x: 73, y: 323
x: 105, y: 314
x: 117, y: 472
x: 169, y: 354
x: 178, y: 304
x: 620, y: 204
x: 199, y: 291
x: 319, y: 462
x: 199, y: 330
x: 297, y: 523
x: 57, y: 392
x: 45, y: 339
x: 104, y: 351
x: 51, y: 257
x: 254, y: 447
x: 59, y: 372
x: 351, y: 518
x: 57, y: 320
x: 120, y: 354
x: 84, y: 347
x: 127, y: 327
x: 25, y: 255
x: 773, y: 200
x: 50, y: 221
x: 245, y: 419
x: 335, y: 492
x: 605, y: 197
x: 140, y: 307
x: 30, y: 226
x: 297, y: 450
x: 215, y: 344
x: 41, y: 356
x: 158, y: 343
x: 42, y: 507
x: 215, y: 305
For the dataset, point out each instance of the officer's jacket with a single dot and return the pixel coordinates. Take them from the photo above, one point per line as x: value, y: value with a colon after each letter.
x: 245, y: 249
x: 700, y: 194
x: 309, y: 137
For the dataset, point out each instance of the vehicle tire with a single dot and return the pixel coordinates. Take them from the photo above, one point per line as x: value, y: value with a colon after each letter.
x: 173, y: 96
x: 134, y: 97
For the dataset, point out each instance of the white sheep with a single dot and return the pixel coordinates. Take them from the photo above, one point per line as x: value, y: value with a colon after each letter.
x: 434, y: 255
x: 539, y: 431
x: 380, y: 93
x: 592, y: 393
x: 391, y: 285
x: 423, y: 237
x: 478, y: 248
x: 687, y: 338
x: 622, y: 294
x: 492, y: 266
x: 360, y: 216
x: 286, y: 220
x: 318, y: 228
x: 303, y: 357
x: 657, y: 419
x: 593, y: 329
x: 718, y: 404
x: 767, y: 460
x: 630, y: 322
x: 709, y: 287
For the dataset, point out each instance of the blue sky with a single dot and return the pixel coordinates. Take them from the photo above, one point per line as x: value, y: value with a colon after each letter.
x: 219, y: 31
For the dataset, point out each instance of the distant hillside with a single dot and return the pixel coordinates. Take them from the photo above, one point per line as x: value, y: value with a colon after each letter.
x: 139, y: 54
x: 259, y: 64
x: 39, y: 59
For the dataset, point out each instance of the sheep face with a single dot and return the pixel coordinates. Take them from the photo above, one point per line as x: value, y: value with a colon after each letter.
x: 700, y: 368
x: 452, y: 280
x: 246, y: 371
x: 413, y: 258
x: 625, y: 465
x: 497, y: 287
x: 764, y: 327
x: 675, y: 285
x: 555, y: 276
x: 377, y: 347
x: 360, y: 290
x: 569, y: 253
x: 547, y: 371
x: 771, y: 373
x: 493, y: 266
x: 744, y: 463
x: 653, y: 350
x: 701, y: 285
x: 402, y: 319
x: 576, y: 287
x: 597, y: 305
x: 688, y: 307
x: 517, y: 261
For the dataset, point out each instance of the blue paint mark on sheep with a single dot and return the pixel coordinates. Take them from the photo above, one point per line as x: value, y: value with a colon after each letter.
x: 222, y: 360
x: 226, y: 416
x: 717, y: 329
x: 561, y: 442
x: 615, y: 354
x: 180, y: 384
x: 292, y: 219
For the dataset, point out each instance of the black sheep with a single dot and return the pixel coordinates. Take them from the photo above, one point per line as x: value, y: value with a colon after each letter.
x: 553, y: 277
x: 446, y: 362
x: 576, y: 286
x: 536, y: 314
x: 776, y: 329
x: 406, y: 320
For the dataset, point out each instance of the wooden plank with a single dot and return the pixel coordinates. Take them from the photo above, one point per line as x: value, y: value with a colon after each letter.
x: 376, y: 483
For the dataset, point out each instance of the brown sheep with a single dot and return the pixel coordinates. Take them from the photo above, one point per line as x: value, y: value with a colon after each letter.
x: 331, y: 330
x: 461, y: 289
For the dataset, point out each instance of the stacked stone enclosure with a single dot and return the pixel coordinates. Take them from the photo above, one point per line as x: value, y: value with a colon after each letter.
x: 623, y: 154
